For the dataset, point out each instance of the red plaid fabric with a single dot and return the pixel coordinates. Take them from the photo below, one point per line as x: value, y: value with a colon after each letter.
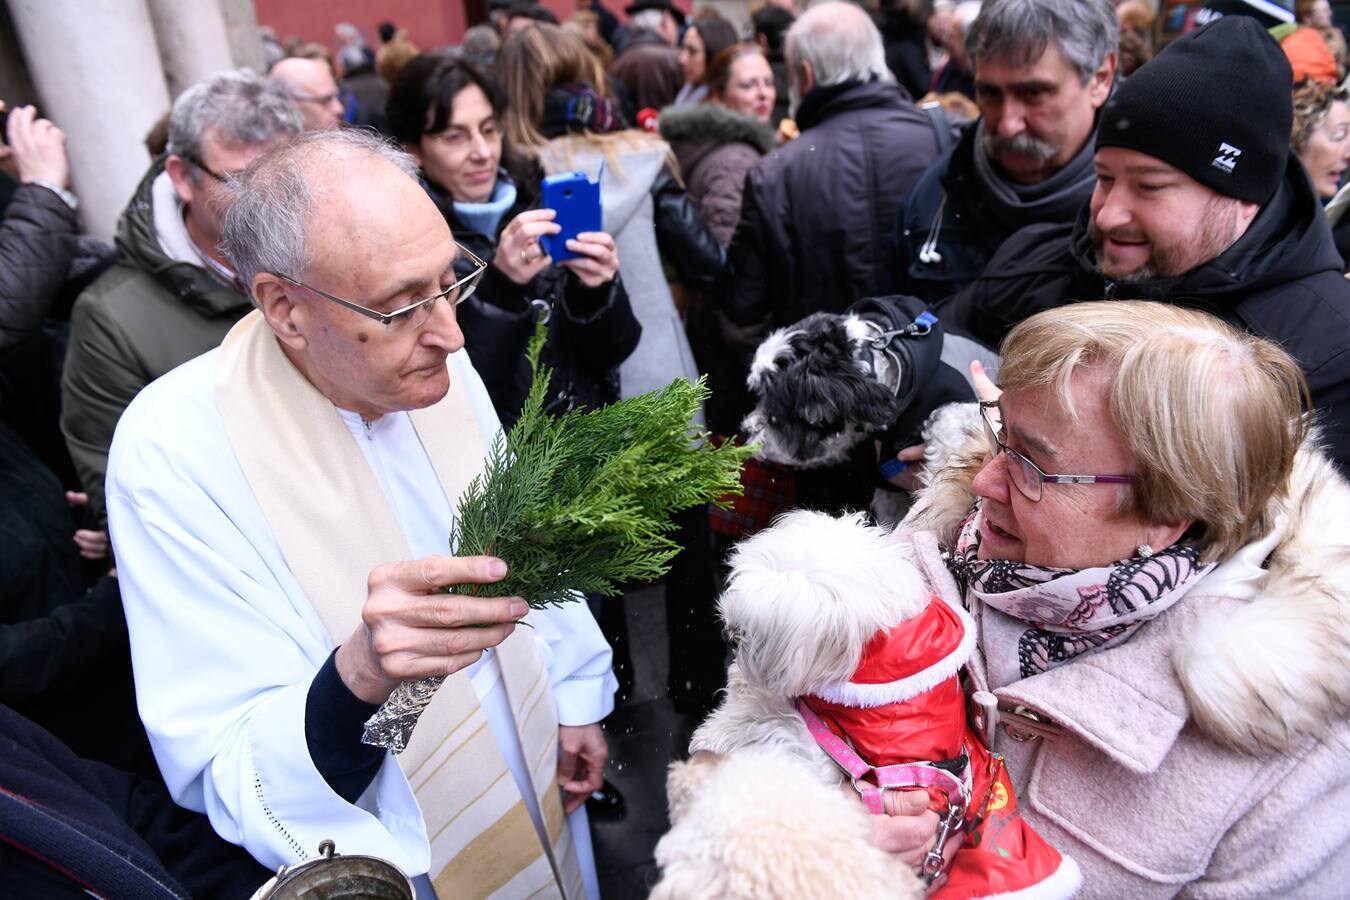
x: 767, y: 490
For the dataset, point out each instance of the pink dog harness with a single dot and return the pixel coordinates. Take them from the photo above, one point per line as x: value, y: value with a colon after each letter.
x: 885, y: 778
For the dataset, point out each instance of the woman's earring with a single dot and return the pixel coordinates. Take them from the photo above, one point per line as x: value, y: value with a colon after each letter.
x: 1145, y: 551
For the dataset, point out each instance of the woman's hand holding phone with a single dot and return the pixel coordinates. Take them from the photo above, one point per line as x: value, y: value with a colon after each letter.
x: 520, y: 256
x: 598, y: 259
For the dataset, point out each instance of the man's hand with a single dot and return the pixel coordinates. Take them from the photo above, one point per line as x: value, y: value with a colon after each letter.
x: 912, y: 478
x: 985, y: 389
x: 410, y: 630
x: 599, y: 259
x: 582, y: 754
x: 38, y: 147
x: 93, y: 544
x: 519, y: 254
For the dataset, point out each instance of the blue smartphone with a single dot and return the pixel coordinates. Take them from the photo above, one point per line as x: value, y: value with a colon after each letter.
x: 576, y: 201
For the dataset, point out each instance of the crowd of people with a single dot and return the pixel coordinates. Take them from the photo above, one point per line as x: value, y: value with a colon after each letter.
x: 232, y: 442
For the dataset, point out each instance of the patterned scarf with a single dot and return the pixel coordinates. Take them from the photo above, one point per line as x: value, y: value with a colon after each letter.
x: 1070, y: 611
x: 575, y: 108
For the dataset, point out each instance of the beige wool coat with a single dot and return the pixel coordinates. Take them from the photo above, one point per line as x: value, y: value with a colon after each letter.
x: 1209, y: 755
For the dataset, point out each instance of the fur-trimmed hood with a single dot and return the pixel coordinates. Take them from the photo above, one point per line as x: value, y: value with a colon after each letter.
x: 715, y: 123
x: 1270, y: 667
x: 698, y: 131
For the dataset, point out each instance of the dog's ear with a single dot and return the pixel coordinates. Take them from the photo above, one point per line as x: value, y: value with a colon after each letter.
x: 805, y: 596
x: 770, y: 356
x: 778, y: 351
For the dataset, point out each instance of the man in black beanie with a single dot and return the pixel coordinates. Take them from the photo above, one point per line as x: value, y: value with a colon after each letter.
x: 1198, y: 202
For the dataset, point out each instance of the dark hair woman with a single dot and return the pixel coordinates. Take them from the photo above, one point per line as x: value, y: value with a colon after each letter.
x: 448, y: 114
x: 702, y: 41
x: 560, y: 110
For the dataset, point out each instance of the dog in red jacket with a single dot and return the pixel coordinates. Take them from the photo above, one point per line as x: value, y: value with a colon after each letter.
x: 845, y: 659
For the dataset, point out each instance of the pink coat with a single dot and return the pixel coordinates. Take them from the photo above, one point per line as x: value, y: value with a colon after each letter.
x: 1208, y: 756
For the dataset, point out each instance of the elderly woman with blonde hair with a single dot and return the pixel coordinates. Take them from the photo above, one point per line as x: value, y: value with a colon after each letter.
x: 1157, y: 557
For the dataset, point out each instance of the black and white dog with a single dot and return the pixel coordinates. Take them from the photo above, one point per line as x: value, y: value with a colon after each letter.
x: 885, y: 370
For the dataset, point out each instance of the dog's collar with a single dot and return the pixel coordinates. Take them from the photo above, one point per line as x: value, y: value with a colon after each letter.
x: 902, y: 337
x: 883, y: 342
x: 903, y: 776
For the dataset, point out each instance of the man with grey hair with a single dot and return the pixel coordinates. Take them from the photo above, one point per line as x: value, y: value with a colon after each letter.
x: 280, y: 508
x: 1043, y: 68
x: 818, y: 216
x: 310, y: 85
x: 173, y: 294
x: 648, y: 65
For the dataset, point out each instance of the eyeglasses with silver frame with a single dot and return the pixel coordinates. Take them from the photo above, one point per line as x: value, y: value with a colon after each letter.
x: 1026, y: 476
x: 415, y: 314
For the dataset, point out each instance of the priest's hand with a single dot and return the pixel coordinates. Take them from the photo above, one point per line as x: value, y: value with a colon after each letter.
x: 410, y: 630
x: 582, y: 754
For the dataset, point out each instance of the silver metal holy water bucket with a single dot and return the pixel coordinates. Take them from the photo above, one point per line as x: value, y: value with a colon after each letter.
x: 333, y: 876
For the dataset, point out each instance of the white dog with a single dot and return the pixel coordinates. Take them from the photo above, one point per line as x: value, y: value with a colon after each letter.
x: 758, y: 825
x: 833, y: 626
x: 803, y: 599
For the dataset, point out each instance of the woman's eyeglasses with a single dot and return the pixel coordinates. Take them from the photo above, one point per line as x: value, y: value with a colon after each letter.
x: 1026, y: 476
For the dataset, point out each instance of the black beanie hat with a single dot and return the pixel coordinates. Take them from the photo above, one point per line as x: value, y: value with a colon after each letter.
x: 1216, y: 104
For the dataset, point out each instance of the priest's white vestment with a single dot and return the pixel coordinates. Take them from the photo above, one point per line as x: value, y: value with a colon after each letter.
x: 225, y: 643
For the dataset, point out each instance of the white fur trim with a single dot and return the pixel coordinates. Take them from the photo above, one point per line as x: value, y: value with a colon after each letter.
x: 1064, y: 883
x: 864, y: 696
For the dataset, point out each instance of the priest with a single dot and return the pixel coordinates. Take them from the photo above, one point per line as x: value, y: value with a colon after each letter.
x: 280, y: 510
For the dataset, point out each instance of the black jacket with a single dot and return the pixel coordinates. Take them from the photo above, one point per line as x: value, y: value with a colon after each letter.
x: 905, y: 38
x: 591, y: 331
x: 37, y: 244
x: 947, y: 213
x: 64, y: 657
x: 1282, y: 280
x: 67, y: 824
x: 818, y: 216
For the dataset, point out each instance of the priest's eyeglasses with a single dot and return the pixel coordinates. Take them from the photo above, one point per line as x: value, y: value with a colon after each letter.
x: 1026, y: 476
x: 414, y: 315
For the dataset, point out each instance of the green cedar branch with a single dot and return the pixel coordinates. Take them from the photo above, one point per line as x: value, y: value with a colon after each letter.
x: 582, y: 502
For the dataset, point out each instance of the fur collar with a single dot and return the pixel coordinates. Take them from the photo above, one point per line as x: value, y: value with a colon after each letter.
x: 1267, y: 674
x: 714, y: 122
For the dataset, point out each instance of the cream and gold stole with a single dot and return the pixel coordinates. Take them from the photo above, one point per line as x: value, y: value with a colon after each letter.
x: 334, y: 525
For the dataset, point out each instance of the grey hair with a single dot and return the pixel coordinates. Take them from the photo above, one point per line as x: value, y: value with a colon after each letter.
x: 265, y: 226
x: 646, y: 20
x: 1019, y: 31
x: 840, y: 42
x: 241, y: 105
x: 349, y: 33
x: 481, y: 40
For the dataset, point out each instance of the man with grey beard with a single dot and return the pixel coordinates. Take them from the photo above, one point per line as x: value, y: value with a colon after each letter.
x: 1198, y: 202
x: 1042, y: 70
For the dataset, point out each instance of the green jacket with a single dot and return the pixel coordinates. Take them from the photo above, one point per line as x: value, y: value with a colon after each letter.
x: 141, y: 318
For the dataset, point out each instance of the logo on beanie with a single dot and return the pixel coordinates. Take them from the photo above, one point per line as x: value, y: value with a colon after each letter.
x: 1227, y: 158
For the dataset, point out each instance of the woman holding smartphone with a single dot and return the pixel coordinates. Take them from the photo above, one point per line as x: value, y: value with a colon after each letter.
x: 447, y: 114
x: 559, y: 110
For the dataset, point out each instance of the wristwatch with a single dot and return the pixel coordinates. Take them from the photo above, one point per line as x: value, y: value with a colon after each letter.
x: 66, y: 196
